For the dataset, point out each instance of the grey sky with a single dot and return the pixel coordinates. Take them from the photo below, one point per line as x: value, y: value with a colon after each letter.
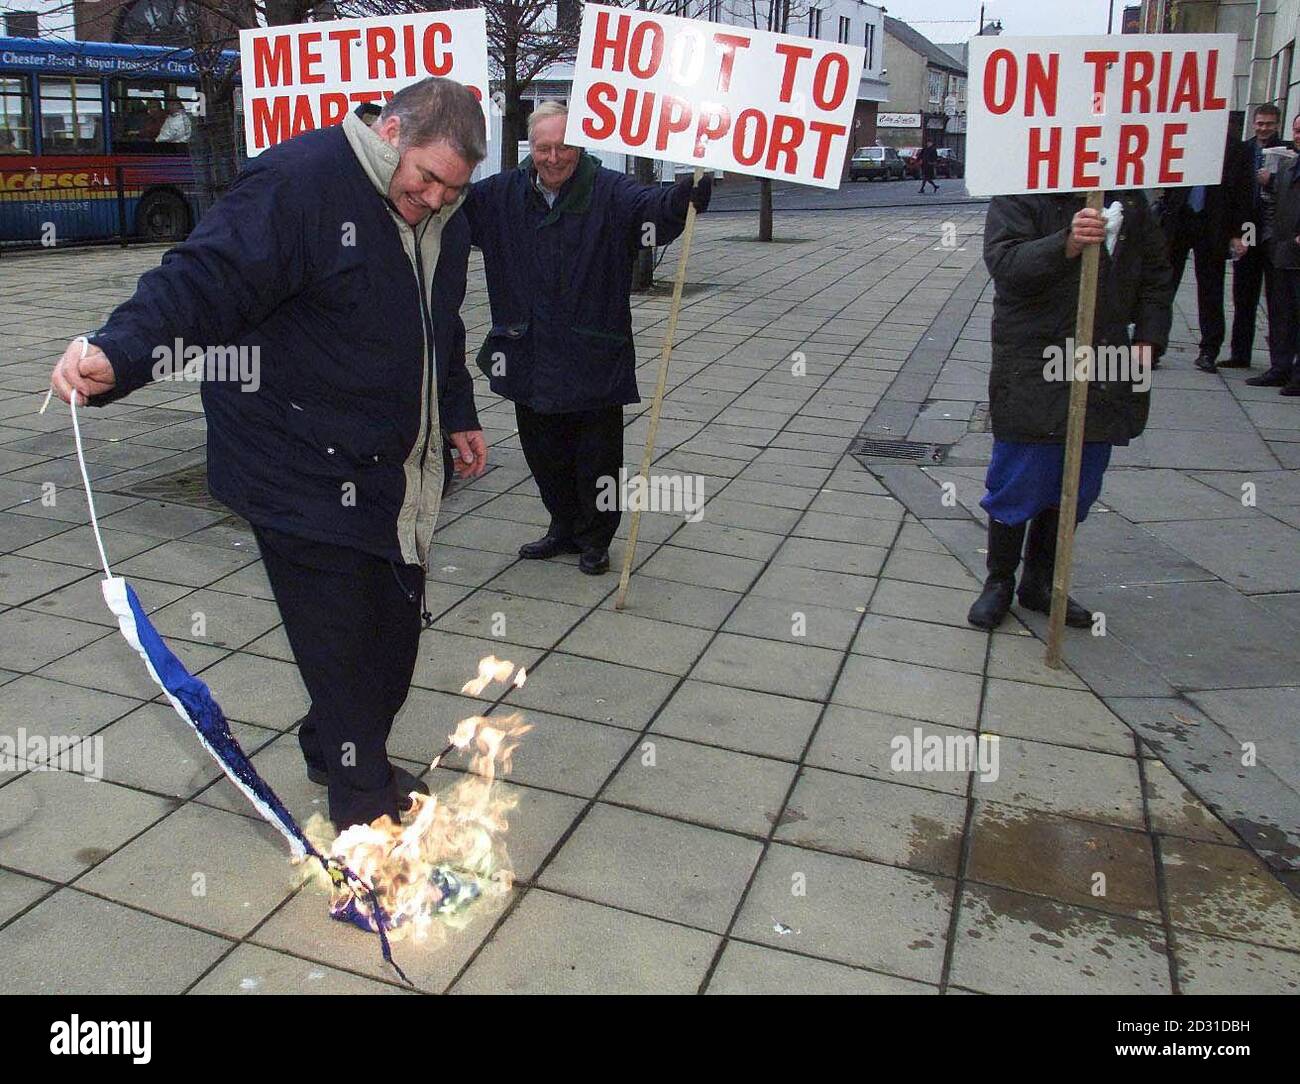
x: 955, y: 20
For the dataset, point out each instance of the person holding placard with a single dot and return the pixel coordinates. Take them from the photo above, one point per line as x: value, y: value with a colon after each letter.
x: 1032, y: 247
x: 559, y: 236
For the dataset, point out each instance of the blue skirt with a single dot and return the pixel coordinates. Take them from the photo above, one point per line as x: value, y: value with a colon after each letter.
x: 1024, y: 479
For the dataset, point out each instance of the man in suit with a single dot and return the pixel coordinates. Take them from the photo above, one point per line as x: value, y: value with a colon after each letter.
x: 1253, y: 270
x: 1208, y: 221
x: 1284, y: 251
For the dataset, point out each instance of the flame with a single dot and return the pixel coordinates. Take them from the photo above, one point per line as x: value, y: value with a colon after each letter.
x: 449, y: 848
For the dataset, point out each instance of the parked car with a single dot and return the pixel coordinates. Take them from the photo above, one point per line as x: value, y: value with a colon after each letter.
x: 911, y: 157
x: 948, y: 164
x: 869, y: 163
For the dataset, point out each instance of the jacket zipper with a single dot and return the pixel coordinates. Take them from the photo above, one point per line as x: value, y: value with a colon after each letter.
x: 427, y: 321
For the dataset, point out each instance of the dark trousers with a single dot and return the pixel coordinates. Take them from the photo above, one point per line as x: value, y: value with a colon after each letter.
x: 353, y: 622
x: 1284, y: 323
x: 1249, y: 274
x: 1208, y: 260
x: 569, y: 455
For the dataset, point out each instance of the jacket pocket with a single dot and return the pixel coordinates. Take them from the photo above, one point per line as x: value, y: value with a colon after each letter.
x: 332, y: 444
x: 502, y: 341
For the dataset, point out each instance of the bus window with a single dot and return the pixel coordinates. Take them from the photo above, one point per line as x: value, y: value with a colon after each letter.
x: 72, y: 115
x: 152, y: 117
x: 15, y: 117
x: 138, y: 115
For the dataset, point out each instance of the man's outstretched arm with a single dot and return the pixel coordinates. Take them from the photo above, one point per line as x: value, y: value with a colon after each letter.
x: 244, y: 259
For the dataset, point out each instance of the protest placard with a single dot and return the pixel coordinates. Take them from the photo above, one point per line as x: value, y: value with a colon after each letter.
x: 296, y: 78
x: 1071, y: 114
x: 714, y: 95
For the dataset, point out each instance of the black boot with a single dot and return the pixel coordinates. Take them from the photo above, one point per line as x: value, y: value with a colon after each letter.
x: 1036, y: 581
x: 991, y: 607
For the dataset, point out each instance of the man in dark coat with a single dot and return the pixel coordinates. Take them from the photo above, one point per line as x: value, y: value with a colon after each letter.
x: 929, y: 162
x: 337, y: 265
x: 559, y: 236
x: 1032, y: 247
x: 1284, y: 253
x: 1254, y: 270
x: 1208, y: 221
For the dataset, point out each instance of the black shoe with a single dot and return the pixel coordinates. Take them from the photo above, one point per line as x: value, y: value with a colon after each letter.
x: 1290, y: 389
x: 405, y: 782
x: 1205, y: 363
x: 1234, y: 363
x: 1270, y: 379
x: 992, y: 606
x: 594, y: 562
x: 548, y: 546
x: 1035, y: 591
x: 994, y: 603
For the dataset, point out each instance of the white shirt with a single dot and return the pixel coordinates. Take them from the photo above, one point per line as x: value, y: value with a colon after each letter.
x: 176, y: 128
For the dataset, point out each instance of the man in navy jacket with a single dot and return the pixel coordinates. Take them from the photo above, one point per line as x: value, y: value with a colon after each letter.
x: 336, y: 265
x: 559, y: 236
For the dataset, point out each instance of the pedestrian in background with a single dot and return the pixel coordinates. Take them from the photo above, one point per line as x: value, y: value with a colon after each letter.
x: 1255, y: 269
x: 929, y: 156
x: 1284, y: 249
x: 1208, y: 221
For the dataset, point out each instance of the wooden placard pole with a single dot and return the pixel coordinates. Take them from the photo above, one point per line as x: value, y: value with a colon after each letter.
x: 1081, y: 378
x: 629, y: 551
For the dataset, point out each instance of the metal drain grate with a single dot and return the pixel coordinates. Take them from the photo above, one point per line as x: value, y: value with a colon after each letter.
x: 188, y: 486
x: 907, y: 450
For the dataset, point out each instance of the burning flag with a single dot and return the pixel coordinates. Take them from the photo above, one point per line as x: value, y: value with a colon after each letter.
x: 445, y: 854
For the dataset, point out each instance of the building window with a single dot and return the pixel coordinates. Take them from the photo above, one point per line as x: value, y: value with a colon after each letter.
x: 815, y: 22
x: 845, y: 28
x: 72, y: 115
x: 935, y: 81
x: 21, y: 24
x: 15, y: 117
x: 155, y: 22
x: 1280, y: 77
x: 869, y: 43
x: 715, y: 11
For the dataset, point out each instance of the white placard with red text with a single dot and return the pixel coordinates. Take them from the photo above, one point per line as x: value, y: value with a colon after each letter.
x: 296, y: 78
x: 714, y: 95
x: 1111, y: 112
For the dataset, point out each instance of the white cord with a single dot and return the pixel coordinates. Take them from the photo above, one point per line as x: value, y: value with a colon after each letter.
x: 81, y: 460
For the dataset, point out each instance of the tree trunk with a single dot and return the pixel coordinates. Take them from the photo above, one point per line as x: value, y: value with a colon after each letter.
x: 512, y: 127
x: 643, y: 273
x: 764, y: 209
x: 214, y: 144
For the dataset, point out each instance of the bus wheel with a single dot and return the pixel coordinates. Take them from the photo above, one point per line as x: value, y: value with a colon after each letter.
x: 162, y: 216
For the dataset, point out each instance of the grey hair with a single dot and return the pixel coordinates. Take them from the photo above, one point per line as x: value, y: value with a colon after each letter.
x: 546, y: 109
x: 439, y: 111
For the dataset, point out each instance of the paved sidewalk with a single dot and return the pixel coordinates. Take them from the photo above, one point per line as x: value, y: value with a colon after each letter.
x: 1190, y: 555
x: 707, y: 801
